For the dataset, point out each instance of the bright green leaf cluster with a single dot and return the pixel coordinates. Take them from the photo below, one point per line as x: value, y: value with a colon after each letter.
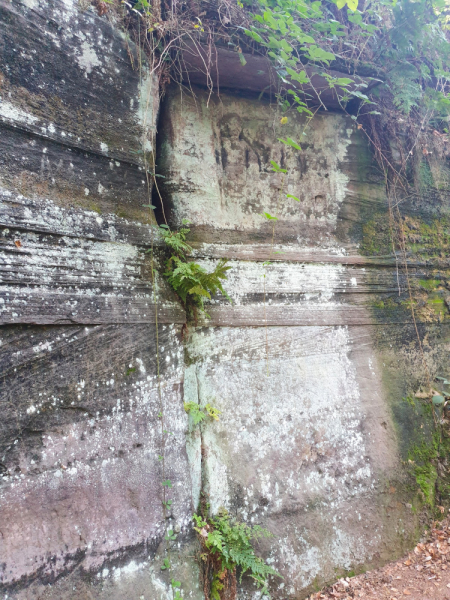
x: 230, y: 542
x: 191, y: 281
x: 198, y: 414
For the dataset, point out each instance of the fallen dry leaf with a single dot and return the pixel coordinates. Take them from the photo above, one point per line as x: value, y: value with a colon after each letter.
x: 18, y: 243
x: 424, y: 573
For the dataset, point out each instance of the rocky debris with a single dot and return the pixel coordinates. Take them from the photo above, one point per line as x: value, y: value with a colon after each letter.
x: 423, y: 574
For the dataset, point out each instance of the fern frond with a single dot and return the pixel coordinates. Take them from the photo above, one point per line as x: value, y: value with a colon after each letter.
x: 191, y: 280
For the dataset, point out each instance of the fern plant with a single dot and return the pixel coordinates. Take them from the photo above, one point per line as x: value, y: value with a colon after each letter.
x: 176, y: 240
x: 226, y: 549
x: 191, y: 281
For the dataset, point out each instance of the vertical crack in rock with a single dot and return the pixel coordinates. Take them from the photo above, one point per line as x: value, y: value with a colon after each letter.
x: 194, y: 436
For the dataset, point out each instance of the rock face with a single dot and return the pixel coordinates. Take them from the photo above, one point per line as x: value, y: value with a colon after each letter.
x: 80, y: 434
x: 306, y: 444
x: 308, y: 364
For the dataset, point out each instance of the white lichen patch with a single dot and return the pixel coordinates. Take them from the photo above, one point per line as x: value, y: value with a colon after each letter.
x: 88, y: 58
x: 306, y: 281
x: 11, y: 113
x: 45, y: 215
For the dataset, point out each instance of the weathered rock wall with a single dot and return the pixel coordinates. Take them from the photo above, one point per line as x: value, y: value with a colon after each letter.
x: 80, y: 436
x: 308, y: 364
x: 301, y: 362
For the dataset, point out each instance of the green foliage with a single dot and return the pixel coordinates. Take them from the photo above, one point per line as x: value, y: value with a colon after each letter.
x: 198, y: 414
x: 191, y: 281
x: 428, y: 454
x: 170, y: 536
x: 269, y: 217
x: 176, y: 585
x: 276, y: 168
x: 212, y: 412
x: 352, y: 4
x: 293, y: 197
x: 176, y: 240
x: 195, y: 412
x: 422, y: 458
x: 403, y: 44
x: 290, y: 142
x: 229, y: 543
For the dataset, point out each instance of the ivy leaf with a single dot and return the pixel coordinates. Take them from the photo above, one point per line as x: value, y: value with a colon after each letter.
x: 277, y: 168
x: 269, y: 217
x: 175, y: 584
x: 293, y: 197
x: 319, y: 54
x: 352, y: 4
x: 290, y: 142
x: 301, y: 77
x: 254, y: 35
x: 167, y: 483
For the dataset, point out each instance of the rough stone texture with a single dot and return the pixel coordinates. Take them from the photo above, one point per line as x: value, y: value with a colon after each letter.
x: 50, y: 278
x: 301, y: 362
x: 305, y: 445
x: 80, y: 480
x: 219, y: 68
x: 216, y: 156
x: 307, y: 365
x: 66, y: 75
x: 80, y: 441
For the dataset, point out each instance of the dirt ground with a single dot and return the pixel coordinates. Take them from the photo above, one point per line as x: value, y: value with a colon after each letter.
x: 423, y: 574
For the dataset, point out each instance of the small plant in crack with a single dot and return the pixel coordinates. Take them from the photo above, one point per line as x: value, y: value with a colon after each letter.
x: 199, y: 414
x: 191, y: 281
x: 227, y: 555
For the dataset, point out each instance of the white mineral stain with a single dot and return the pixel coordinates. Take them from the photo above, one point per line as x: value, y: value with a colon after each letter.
x: 11, y: 112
